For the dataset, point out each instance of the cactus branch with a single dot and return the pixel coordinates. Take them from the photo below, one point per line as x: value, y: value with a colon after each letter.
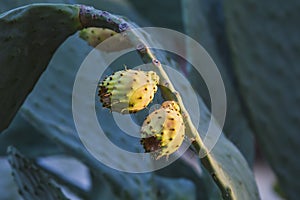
x: 92, y: 17
x: 170, y: 93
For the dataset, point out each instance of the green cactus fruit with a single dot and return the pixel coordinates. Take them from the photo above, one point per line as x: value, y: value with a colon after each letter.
x: 94, y: 36
x: 128, y: 91
x: 163, y: 130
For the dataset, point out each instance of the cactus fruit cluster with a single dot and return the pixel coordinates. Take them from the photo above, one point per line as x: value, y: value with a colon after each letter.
x: 163, y: 130
x: 128, y: 91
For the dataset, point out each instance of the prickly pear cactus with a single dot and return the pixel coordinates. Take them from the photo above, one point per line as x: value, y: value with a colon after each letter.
x: 128, y: 91
x: 163, y: 130
x: 33, y: 183
x: 61, y: 125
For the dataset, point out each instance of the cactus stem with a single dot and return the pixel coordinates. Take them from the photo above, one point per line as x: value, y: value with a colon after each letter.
x: 90, y: 17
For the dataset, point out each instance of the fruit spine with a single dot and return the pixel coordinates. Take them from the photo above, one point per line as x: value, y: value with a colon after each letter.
x: 163, y: 130
x: 128, y: 91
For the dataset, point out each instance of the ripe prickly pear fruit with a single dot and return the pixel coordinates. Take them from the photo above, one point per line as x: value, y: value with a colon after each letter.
x: 128, y: 91
x: 163, y: 130
x: 94, y: 36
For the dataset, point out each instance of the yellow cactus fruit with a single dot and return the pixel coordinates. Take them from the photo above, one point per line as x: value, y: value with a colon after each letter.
x: 94, y: 36
x: 128, y: 91
x: 163, y: 130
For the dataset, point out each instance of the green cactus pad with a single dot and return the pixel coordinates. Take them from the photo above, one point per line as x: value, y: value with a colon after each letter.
x: 28, y: 39
x: 265, y: 47
x: 33, y: 183
x: 209, y: 30
x: 27, y: 139
x: 26, y: 47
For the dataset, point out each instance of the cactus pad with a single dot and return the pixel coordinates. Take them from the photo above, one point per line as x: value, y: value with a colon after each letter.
x: 128, y: 91
x: 33, y: 183
x: 163, y: 130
